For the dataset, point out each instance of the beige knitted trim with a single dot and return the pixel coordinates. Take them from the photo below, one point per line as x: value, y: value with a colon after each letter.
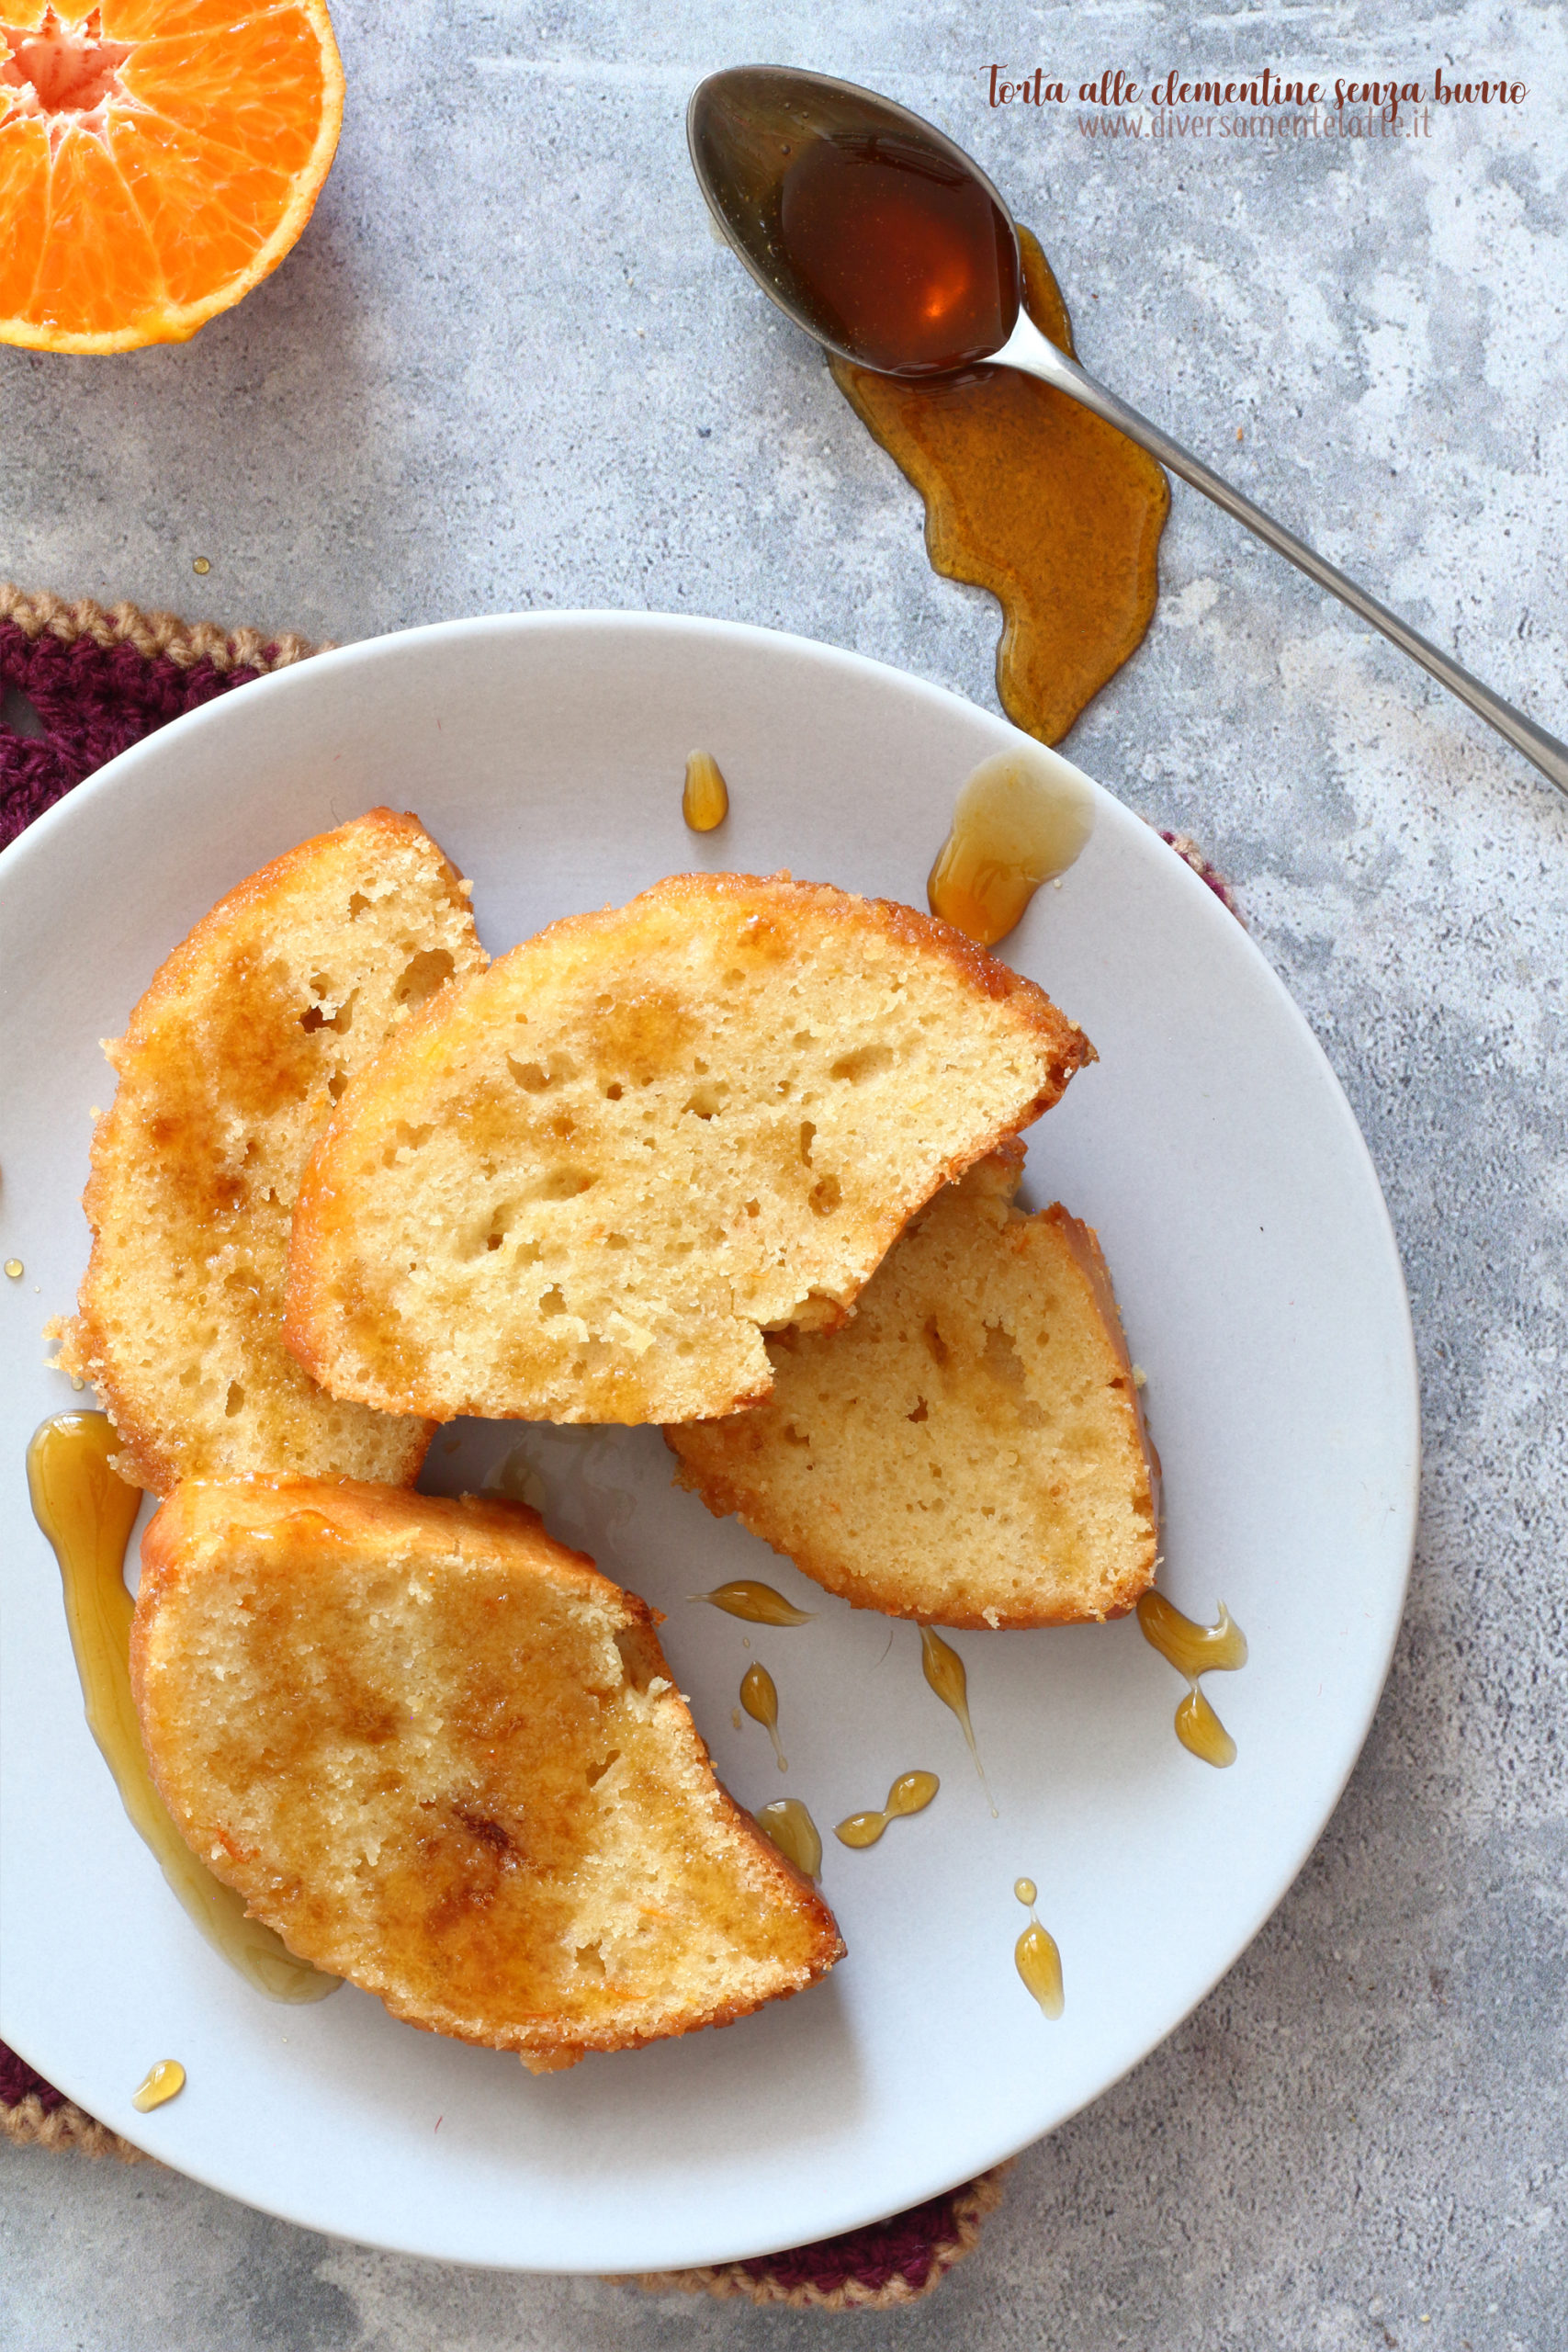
x: 185, y: 642
x: 726, y: 2279
x: 1187, y: 849
x: 67, y: 2126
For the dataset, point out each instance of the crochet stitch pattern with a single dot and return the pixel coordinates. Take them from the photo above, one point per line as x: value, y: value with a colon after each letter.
x: 92, y: 682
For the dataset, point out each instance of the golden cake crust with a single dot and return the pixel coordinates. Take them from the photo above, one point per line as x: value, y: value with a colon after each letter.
x: 442, y: 1756
x: 227, y: 1073
x: 582, y: 1187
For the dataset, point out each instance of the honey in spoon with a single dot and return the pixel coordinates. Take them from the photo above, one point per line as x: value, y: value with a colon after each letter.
x: 886, y: 242
x: 87, y: 1514
x: 1030, y: 496
x: 898, y: 252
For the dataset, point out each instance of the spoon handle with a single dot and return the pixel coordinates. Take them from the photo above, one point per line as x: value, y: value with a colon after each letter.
x: 1028, y: 349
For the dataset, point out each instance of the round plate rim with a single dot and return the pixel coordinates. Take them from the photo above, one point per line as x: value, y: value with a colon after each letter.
x: 120, y: 773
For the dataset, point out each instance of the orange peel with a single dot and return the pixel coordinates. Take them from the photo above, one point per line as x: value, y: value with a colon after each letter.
x: 158, y: 158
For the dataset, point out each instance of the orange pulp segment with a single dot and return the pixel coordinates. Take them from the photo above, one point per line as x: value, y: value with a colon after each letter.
x: 157, y: 159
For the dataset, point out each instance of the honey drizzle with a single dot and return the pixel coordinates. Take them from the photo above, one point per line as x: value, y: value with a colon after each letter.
x: 943, y: 1669
x: 759, y: 1604
x: 704, y: 800
x: 791, y: 1829
x: 1192, y: 1650
x: 87, y: 1514
x: 759, y: 1696
x: 1019, y: 820
x: 160, y: 2084
x: 1028, y: 495
x: 910, y: 1793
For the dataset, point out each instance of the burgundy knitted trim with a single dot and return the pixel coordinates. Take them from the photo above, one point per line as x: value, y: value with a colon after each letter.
x: 78, y: 684
x: 888, y: 2262
x: 1187, y: 849
x: 34, y: 2114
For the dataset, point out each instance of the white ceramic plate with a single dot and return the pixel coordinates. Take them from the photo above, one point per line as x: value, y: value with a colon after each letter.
x: 1261, y: 1290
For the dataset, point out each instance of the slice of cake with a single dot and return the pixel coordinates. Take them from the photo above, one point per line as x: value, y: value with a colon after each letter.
x: 582, y: 1187
x: 970, y: 1449
x: 233, y: 1063
x: 443, y: 1755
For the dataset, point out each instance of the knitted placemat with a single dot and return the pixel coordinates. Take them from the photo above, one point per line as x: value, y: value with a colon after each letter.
x: 77, y: 685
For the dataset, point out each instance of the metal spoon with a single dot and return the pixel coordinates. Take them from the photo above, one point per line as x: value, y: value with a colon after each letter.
x: 748, y: 127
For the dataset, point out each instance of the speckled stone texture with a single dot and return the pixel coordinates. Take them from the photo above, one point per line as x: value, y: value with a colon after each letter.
x: 507, y: 366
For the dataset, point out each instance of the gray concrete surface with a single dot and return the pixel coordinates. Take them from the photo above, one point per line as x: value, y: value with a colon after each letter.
x: 507, y: 368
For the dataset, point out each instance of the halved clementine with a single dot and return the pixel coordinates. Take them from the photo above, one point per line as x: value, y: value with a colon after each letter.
x: 157, y: 159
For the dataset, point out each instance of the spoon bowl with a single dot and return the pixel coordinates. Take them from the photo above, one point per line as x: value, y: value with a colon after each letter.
x: 889, y: 245
x: 876, y: 235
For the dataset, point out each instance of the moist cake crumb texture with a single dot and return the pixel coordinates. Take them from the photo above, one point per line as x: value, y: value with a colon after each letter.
x: 583, y: 1186
x: 970, y: 1449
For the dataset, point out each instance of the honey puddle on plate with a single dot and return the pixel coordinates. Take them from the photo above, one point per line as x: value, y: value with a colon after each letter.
x: 793, y: 1831
x: 1028, y: 495
x: 1193, y: 1650
x: 1019, y: 820
x: 87, y: 1514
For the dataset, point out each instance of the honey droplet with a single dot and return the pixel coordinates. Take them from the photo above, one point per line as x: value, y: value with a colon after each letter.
x: 861, y: 1828
x: 759, y: 1696
x: 705, y: 802
x: 87, y: 1513
x: 943, y: 1669
x: 1020, y: 819
x: 794, y: 1832
x: 1202, y: 1733
x: 758, y: 1603
x: 1028, y: 495
x: 16, y: 1269
x: 910, y: 1793
x: 1192, y: 1649
x: 1027, y: 1891
x: 1040, y: 1965
x: 201, y: 565
x: 161, y: 2083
